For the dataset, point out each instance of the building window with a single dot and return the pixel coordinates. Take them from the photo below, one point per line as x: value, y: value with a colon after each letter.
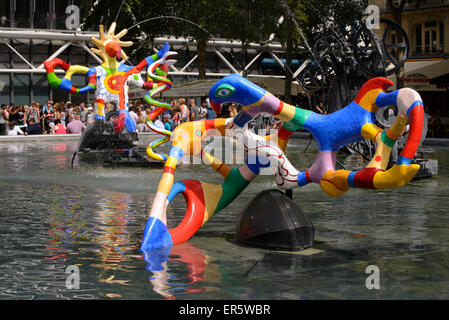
x: 429, y: 37
x: 418, y: 39
x: 21, y: 89
x: 40, y: 88
x: 4, y: 89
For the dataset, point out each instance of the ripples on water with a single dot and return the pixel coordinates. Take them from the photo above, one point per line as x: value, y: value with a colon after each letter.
x: 52, y: 216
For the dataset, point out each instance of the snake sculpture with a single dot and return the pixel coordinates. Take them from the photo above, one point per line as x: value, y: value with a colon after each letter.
x: 331, y: 132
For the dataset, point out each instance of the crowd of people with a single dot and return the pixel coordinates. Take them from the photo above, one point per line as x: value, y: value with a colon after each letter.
x: 72, y: 118
x: 51, y: 118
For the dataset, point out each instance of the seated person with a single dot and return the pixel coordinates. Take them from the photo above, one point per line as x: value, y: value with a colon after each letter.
x: 75, y: 125
x: 14, y: 130
x: 33, y: 127
x: 59, y: 128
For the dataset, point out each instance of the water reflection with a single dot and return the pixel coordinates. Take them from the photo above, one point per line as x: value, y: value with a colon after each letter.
x: 165, y: 280
x: 52, y: 216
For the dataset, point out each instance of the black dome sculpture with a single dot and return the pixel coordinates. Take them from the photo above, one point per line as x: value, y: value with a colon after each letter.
x: 273, y: 221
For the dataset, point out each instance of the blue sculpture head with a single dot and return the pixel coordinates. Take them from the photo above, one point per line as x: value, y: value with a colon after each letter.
x: 234, y: 88
x: 163, y: 50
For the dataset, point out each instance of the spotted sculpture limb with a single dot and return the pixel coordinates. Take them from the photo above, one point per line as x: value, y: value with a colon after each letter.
x: 331, y: 132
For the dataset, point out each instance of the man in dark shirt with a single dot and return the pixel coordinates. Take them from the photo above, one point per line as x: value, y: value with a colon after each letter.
x: 33, y: 127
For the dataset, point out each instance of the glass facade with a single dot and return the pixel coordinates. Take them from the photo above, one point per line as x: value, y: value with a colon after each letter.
x: 4, y: 89
x: 23, y: 87
x: 37, y: 14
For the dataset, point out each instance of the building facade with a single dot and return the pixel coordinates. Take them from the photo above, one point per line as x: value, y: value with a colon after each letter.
x: 32, y: 32
x: 427, y: 27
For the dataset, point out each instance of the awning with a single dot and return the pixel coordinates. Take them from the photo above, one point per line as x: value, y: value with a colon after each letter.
x: 436, y: 69
x: 418, y: 73
x: 200, y: 88
x: 440, y: 75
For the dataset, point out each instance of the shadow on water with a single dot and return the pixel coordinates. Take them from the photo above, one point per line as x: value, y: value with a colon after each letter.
x: 53, y: 217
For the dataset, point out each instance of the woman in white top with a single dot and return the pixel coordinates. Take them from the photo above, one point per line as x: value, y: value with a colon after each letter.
x: 14, y: 130
x: 185, y: 112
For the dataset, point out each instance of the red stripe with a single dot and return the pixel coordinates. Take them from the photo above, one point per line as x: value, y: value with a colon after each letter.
x: 170, y: 170
x: 375, y: 83
x: 284, y: 134
x: 141, y: 65
x: 280, y: 107
x: 93, y: 79
x: 308, y: 176
x: 209, y: 124
x: 364, y: 178
x: 416, y: 122
x: 156, y: 112
x: 194, y: 216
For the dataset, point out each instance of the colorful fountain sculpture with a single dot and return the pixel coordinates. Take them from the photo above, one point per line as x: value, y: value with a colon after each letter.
x: 110, y: 82
x: 331, y: 132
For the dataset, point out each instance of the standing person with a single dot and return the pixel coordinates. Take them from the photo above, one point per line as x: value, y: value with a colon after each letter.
x: 75, y: 126
x: 320, y: 108
x: 203, y: 109
x: 185, y: 112
x: 141, y: 124
x: 32, y: 113
x: 158, y: 123
x: 90, y: 116
x: 133, y: 114
x: 143, y: 112
x: 21, y: 114
x: 47, y: 115
x: 3, y: 119
x: 194, y: 110
x: 58, y: 111
x: 232, y: 110
x: 14, y: 116
x: 167, y: 122
x: 211, y: 114
x: 83, y: 113
x: 70, y: 109
x: 59, y: 128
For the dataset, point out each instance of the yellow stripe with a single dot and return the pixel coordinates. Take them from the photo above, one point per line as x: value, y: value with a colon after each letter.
x: 258, y: 103
x: 212, y: 195
x: 287, y: 113
x: 166, y: 183
x: 75, y: 69
x: 370, y: 131
x: 399, y: 124
x: 396, y: 176
x: 369, y: 99
x: 171, y: 162
x: 216, y: 164
x: 100, y: 109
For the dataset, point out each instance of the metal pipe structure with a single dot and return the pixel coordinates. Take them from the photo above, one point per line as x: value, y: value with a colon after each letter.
x: 63, y: 40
